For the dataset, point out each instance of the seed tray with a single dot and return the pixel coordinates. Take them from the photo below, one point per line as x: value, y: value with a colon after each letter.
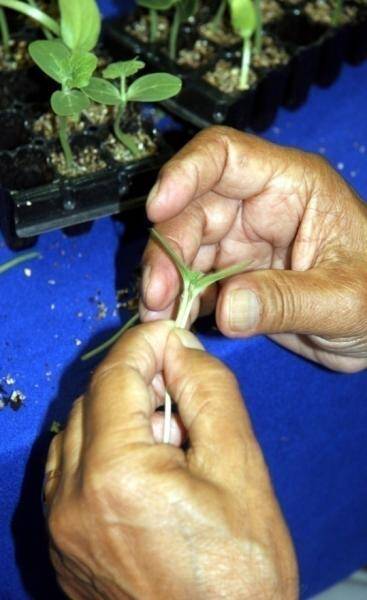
x: 316, y: 53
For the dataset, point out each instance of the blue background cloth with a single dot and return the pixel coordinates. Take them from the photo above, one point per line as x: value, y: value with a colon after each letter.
x: 311, y: 423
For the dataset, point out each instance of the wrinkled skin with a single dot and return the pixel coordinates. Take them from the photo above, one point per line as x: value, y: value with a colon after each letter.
x: 227, y: 197
x: 130, y: 517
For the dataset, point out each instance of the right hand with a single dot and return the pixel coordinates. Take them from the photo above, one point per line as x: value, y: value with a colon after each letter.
x: 229, y: 196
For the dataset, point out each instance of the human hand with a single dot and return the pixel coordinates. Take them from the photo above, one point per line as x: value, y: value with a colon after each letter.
x: 229, y: 196
x: 132, y: 518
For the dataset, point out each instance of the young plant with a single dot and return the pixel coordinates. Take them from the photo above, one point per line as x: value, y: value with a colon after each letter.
x: 243, y: 19
x: 154, y: 6
x: 73, y: 71
x: 70, y: 63
x: 148, y: 88
x: 194, y: 284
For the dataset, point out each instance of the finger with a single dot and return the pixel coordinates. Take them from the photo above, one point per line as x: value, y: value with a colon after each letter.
x: 326, y: 301
x: 177, y: 430
x: 210, y: 405
x: 231, y: 163
x: 53, y: 468
x: 119, y: 399
x: 73, y: 439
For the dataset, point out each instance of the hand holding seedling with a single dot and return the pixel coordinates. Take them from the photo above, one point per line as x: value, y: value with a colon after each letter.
x: 132, y: 518
x: 228, y: 197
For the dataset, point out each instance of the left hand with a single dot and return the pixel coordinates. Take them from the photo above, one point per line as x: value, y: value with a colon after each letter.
x: 132, y: 518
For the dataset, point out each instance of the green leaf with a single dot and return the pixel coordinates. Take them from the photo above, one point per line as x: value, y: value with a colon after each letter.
x: 102, y: 91
x: 123, y: 68
x: 52, y: 57
x: 188, y: 8
x: 154, y: 88
x: 157, y: 4
x: 80, y: 23
x: 243, y: 17
x: 83, y: 65
x: 69, y: 103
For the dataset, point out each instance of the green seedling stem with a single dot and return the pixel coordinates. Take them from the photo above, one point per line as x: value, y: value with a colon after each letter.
x: 175, y: 28
x: 153, y: 18
x: 259, y: 27
x: 125, y: 139
x: 14, y: 262
x: 337, y: 12
x: 245, y: 64
x: 64, y: 141
x: 218, y: 17
x: 112, y: 339
x: 48, y: 35
x: 194, y: 283
x: 4, y: 29
x: 33, y: 13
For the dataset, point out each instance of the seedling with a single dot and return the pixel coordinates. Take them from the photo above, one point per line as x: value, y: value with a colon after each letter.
x: 4, y: 31
x: 194, y: 284
x: 183, y: 10
x: 70, y: 63
x: 148, y: 88
x: 73, y: 71
x: 243, y: 18
x: 14, y: 262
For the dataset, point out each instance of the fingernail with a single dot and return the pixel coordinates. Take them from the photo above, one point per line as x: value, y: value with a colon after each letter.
x: 187, y: 339
x: 146, y: 280
x: 153, y: 193
x: 243, y: 310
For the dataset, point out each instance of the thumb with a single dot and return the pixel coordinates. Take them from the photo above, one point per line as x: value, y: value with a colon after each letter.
x: 322, y: 301
x: 210, y: 406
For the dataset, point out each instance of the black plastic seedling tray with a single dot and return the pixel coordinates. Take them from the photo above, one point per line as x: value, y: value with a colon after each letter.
x: 315, y: 51
x: 69, y: 202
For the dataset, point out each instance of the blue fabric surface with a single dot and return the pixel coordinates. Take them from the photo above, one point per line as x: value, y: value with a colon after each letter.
x: 311, y: 423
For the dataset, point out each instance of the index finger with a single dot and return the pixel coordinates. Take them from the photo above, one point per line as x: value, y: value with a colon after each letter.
x: 231, y: 163
x: 119, y: 403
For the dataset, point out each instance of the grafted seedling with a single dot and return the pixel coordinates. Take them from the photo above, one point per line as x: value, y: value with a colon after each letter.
x: 148, y: 88
x: 243, y: 18
x: 194, y: 283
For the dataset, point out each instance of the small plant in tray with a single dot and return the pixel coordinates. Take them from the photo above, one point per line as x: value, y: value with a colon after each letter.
x: 154, y: 87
